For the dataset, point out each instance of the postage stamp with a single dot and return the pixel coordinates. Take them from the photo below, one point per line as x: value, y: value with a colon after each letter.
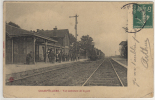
x: 143, y: 16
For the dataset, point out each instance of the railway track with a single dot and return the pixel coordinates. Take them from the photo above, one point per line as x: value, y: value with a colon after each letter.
x: 60, y: 76
x: 67, y: 79
x: 100, y: 73
x: 105, y: 75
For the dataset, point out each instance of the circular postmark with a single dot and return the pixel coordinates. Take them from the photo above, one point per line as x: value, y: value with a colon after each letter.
x: 136, y: 20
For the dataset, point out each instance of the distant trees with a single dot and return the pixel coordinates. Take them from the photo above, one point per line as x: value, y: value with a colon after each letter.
x: 71, y: 38
x: 86, y: 42
x: 72, y: 43
x: 73, y: 47
x: 13, y: 24
x: 85, y: 46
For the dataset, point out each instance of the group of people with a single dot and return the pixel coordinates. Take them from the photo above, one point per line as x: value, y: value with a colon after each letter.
x: 60, y: 57
x: 54, y: 57
x: 51, y: 56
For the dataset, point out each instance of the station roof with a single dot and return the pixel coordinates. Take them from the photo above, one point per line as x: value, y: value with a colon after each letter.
x: 54, y: 33
x: 15, y: 32
x: 123, y: 43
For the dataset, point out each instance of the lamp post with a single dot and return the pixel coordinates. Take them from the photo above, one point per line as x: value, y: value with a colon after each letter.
x: 75, y: 32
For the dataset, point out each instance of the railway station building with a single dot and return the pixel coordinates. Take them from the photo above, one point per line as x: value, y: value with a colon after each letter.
x: 20, y: 42
x: 123, y: 48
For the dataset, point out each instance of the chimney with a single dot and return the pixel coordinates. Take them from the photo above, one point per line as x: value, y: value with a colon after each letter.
x: 55, y: 28
x: 37, y: 30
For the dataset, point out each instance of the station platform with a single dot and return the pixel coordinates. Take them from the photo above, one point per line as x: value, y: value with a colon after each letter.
x: 15, y: 68
x: 121, y: 61
x: 18, y: 71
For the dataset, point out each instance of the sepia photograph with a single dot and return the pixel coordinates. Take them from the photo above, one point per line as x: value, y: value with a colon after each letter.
x: 86, y: 44
x: 48, y: 44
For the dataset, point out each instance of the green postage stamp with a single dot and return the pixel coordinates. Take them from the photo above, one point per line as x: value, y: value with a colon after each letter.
x: 143, y: 16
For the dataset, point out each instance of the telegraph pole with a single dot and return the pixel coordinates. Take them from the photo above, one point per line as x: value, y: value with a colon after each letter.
x: 75, y: 32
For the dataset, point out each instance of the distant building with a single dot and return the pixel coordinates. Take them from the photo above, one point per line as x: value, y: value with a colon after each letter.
x: 20, y: 42
x: 123, y: 48
x: 62, y: 36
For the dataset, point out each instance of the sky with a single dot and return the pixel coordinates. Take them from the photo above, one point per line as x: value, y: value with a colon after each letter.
x: 103, y: 21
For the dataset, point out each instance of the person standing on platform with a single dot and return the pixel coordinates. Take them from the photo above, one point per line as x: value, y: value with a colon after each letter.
x: 59, y: 56
x: 71, y: 57
x: 78, y: 56
x: 66, y: 57
x: 52, y: 56
x: 29, y: 57
x: 63, y: 57
x: 44, y: 57
x: 49, y: 56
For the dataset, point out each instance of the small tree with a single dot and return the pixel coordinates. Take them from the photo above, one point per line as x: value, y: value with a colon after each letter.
x: 86, y: 43
x: 72, y: 39
x: 13, y: 24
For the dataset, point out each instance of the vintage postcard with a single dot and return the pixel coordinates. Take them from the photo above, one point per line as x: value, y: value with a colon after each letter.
x: 78, y: 49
